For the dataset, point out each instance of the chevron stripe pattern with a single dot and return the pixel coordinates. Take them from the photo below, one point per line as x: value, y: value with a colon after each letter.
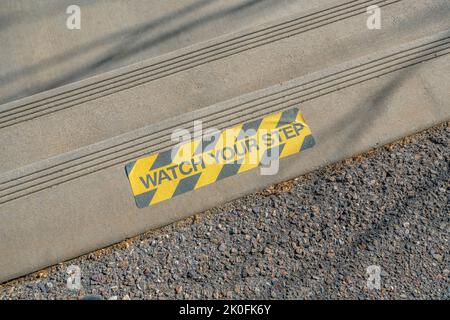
x: 200, y: 162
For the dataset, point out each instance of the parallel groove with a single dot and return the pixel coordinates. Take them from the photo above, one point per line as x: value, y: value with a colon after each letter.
x: 437, y: 49
x: 171, y: 59
x: 158, y: 63
x: 165, y: 131
x: 9, y: 119
x: 123, y: 161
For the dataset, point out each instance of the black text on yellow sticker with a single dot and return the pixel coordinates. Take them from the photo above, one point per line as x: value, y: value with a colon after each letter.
x: 201, y: 162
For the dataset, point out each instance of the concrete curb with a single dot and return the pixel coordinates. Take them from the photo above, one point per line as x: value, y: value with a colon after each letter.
x: 77, y: 201
x: 110, y: 113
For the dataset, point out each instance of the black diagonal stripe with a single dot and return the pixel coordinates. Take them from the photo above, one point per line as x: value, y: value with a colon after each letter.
x: 288, y: 117
x: 308, y: 142
x: 268, y: 155
x: 186, y: 184
x: 229, y: 170
x: 143, y: 200
x: 163, y: 159
x: 207, y: 144
x: 129, y: 167
x: 245, y: 131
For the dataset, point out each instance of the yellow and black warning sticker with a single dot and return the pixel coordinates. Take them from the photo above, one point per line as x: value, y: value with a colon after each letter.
x: 203, y: 161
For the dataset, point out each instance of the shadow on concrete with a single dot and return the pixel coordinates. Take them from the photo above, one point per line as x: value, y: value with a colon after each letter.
x: 45, y: 9
x: 128, y: 43
x: 368, y: 112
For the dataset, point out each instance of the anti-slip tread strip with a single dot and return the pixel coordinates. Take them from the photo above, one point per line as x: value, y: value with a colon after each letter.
x: 276, y: 93
x: 108, y: 165
x: 17, y: 114
x: 183, y: 55
x: 55, y: 172
x: 238, y: 150
x: 165, y: 131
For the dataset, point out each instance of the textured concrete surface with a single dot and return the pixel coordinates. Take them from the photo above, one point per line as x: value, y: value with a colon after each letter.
x: 63, y: 191
x: 38, y: 52
x: 310, y: 238
x: 61, y: 211
x: 41, y: 130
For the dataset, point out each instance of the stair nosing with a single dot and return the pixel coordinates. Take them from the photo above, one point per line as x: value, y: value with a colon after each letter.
x: 12, y: 113
x: 16, y: 175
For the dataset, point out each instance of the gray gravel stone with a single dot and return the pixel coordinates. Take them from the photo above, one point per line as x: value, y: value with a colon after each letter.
x: 311, y: 238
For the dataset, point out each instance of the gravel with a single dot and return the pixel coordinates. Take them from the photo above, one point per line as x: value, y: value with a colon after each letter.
x: 310, y: 238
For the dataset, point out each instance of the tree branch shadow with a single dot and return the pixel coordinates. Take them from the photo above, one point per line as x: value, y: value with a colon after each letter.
x: 128, y: 44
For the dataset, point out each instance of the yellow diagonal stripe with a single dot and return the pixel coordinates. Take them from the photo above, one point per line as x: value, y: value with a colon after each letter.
x: 157, y: 181
x: 213, y: 168
x: 184, y: 153
x: 292, y: 146
x: 253, y: 158
x: 140, y: 169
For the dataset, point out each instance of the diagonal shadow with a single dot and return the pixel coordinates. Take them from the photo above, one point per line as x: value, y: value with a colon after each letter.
x: 131, y: 32
x: 124, y: 49
x: 48, y: 8
x: 374, y: 107
x: 365, y: 114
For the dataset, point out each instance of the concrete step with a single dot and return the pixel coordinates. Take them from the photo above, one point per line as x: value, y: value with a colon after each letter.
x: 105, y: 106
x: 63, y: 187
x: 113, y: 34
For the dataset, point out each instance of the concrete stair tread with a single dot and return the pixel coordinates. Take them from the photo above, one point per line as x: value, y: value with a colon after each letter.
x: 107, y: 114
x: 68, y: 192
